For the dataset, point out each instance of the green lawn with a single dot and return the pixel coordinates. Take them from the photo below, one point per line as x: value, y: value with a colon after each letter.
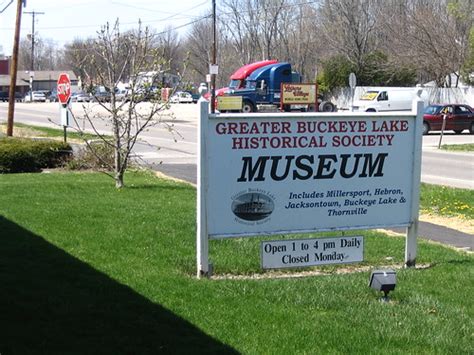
x: 447, y: 201
x: 88, y: 269
x: 459, y: 147
x: 25, y: 130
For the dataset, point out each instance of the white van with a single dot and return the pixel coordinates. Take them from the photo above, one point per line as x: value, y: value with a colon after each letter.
x: 386, y: 99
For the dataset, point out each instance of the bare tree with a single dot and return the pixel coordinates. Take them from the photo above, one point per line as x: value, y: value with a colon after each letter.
x: 298, y: 36
x: 46, y: 55
x: 253, y: 26
x: 111, y: 58
x: 75, y: 55
x: 349, y: 28
x: 198, y: 45
x: 429, y: 35
x: 169, y: 45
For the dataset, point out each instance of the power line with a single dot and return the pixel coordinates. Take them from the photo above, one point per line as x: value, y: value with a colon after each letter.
x: 99, y: 25
x: 6, y: 6
x: 166, y: 19
x: 173, y: 14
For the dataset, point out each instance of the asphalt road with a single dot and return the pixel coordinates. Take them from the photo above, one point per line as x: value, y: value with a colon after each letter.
x: 171, y: 148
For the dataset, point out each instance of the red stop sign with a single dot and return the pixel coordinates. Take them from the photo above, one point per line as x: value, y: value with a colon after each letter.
x: 64, y: 88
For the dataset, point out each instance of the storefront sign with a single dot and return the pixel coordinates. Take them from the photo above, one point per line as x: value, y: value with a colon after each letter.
x: 298, y: 94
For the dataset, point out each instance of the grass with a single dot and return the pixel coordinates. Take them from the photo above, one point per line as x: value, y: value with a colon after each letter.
x: 447, y: 201
x: 86, y: 268
x: 24, y: 130
x: 459, y: 147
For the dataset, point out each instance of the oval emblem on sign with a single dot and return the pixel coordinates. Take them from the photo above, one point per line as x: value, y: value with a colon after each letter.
x: 253, y: 206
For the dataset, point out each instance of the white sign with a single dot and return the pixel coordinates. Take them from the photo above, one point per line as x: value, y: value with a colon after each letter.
x: 213, y: 69
x: 352, y: 80
x: 64, y: 111
x: 265, y: 174
x: 307, y: 173
x: 311, y: 252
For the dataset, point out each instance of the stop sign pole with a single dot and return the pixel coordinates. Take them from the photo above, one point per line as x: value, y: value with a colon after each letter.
x: 64, y: 98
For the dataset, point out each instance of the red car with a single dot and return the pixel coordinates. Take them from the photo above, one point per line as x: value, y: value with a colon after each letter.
x: 458, y: 118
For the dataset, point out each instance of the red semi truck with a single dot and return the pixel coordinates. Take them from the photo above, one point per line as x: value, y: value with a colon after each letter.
x: 238, y: 79
x: 270, y: 74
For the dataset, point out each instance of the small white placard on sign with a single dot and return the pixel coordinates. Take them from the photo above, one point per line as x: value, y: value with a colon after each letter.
x: 213, y: 69
x: 64, y: 116
x: 279, y: 254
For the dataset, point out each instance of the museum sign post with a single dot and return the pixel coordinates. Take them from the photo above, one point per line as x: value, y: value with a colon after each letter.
x: 268, y: 174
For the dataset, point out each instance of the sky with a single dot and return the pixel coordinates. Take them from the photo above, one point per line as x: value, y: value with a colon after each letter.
x: 65, y: 20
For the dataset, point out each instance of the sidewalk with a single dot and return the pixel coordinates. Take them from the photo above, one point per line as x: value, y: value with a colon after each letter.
x: 442, y: 235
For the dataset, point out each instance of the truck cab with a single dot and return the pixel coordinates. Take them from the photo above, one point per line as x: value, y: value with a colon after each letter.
x: 263, y: 86
x: 238, y: 80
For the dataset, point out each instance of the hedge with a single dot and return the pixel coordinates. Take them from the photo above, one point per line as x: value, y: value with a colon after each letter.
x: 27, y: 155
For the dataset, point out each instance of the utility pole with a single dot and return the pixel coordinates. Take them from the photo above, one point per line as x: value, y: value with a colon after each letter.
x: 13, y: 69
x: 33, y: 14
x: 213, y: 76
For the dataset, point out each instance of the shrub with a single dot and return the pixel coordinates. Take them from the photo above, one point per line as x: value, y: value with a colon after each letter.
x: 95, y: 156
x: 28, y: 155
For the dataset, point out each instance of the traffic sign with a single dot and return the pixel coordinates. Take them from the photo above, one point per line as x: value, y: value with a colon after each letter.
x: 352, y: 80
x: 64, y: 88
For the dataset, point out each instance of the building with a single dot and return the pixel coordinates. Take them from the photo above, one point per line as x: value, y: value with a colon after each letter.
x: 4, y: 65
x: 41, y: 80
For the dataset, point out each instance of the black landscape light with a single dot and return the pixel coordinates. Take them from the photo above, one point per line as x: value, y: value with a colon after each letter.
x: 383, y: 280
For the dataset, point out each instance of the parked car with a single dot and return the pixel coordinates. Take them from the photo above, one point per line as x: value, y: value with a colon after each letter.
x: 35, y: 96
x: 4, y: 96
x: 121, y: 94
x: 53, y: 96
x: 181, y: 97
x: 458, y: 118
x: 101, y: 96
x: 80, y: 96
x: 195, y: 97
x: 46, y: 93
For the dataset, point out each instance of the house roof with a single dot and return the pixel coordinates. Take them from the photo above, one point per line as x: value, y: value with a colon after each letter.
x: 23, y: 77
x: 46, y: 75
x: 5, y: 81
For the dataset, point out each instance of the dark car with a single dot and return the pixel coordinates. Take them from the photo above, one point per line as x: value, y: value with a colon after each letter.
x: 195, y: 97
x: 458, y: 118
x: 53, y: 96
x: 4, y: 95
x: 101, y: 96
